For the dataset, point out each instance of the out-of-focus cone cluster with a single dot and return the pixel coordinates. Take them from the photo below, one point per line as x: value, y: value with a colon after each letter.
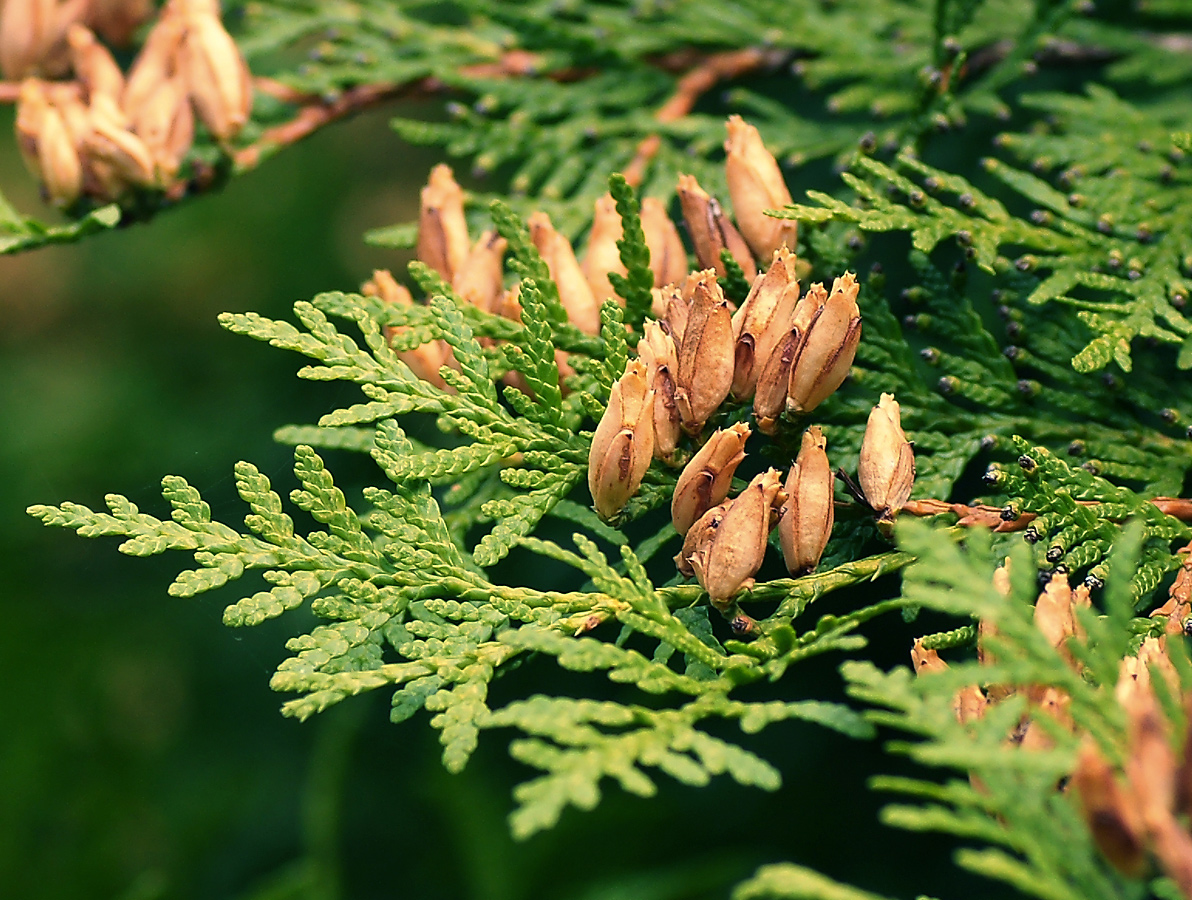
x: 33, y: 33
x: 104, y: 132
x: 1140, y: 809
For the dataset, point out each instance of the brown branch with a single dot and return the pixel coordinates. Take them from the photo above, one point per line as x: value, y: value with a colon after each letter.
x: 992, y: 516
x: 707, y: 73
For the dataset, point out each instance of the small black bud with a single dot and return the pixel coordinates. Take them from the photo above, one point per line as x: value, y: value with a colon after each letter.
x: 1061, y: 569
x: 1014, y: 330
x: 964, y: 238
x: 868, y: 142
x: 1188, y: 626
x: 1028, y: 463
x: 855, y: 242
x: 966, y: 201
x: 916, y: 198
x: 1009, y: 513
x: 1011, y: 352
x: 1055, y: 553
x: 1028, y: 387
x: 1143, y: 235
x: 1169, y: 415
x: 994, y: 474
x: 930, y: 355
x: 931, y: 183
x: 1093, y: 582
x: 1109, y: 380
x: 1076, y: 200
x: 1026, y: 263
x: 948, y: 384
x: 1145, y: 146
x: 988, y: 442
x: 1105, y: 223
x: 1076, y: 448
x: 1031, y: 535
x: 1092, y: 467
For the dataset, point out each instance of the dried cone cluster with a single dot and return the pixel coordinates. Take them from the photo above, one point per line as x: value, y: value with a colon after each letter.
x: 1134, y: 811
x: 33, y: 33
x: 103, y: 132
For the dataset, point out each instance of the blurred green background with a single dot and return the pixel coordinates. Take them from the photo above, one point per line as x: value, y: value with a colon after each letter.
x: 142, y: 754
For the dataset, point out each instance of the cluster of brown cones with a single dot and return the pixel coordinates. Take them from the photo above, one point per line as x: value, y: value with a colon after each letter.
x: 1139, y: 809
x: 474, y: 269
x: 103, y: 133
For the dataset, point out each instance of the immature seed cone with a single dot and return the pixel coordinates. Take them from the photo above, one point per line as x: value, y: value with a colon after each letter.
x: 805, y: 521
x: 727, y: 560
x: 602, y: 255
x: 623, y: 444
x: 705, y: 356
x: 657, y: 351
x: 710, y: 229
x: 668, y: 257
x: 574, y: 293
x: 480, y: 279
x: 698, y: 536
x: 706, y: 479
x: 111, y: 142
x: 887, y: 466
x: 442, y: 228
x: 61, y: 170
x: 755, y: 184
x: 215, y: 72
x: 827, y: 348
x: 763, y: 320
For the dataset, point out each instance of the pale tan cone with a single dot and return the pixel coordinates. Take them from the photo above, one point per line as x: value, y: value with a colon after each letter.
x: 623, y: 443
x: 763, y: 320
x: 426, y: 359
x: 827, y: 348
x: 442, y: 228
x: 698, y: 535
x: 711, y: 231
x: 602, y: 255
x: 726, y: 562
x: 1055, y: 612
x: 61, y: 169
x: 218, y: 78
x: 157, y: 62
x: 755, y: 184
x: 968, y: 703
x: 33, y: 36
x: 574, y: 292
x: 676, y: 312
x: 112, y: 143
x: 805, y: 521
x: 668, y: 256
x: 93, y: 64
x: 657, y: 350
x: 480, y: 280
x: 705, y: 372
x: 769, y: 397
x: 165, y: 122
x: 886, y: 469
x: 32, y: 104
x: 706, y: 479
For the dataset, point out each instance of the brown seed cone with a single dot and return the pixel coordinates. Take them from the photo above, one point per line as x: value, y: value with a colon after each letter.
x: 602, y: 255
x: 698, y: 535
x: 165, y: 123
x: 442, y: 229
x: 33, y: 36
x: 706, y: 479
x: 480, y: 280
x: 657, y: 350
x: 705, y: 372
x: 711, y: 231
x: 806, y: 519
x: 726, y: 563
x: 623, y: 444
x: 116, y: 20
x: 769, y: 398
x: 574, y: 293
x: 763, y: 320
x: 668, y: 257
x: 425, y: 360
x: 755, y: 184
x: 886, y: 469
x: 827, y: 348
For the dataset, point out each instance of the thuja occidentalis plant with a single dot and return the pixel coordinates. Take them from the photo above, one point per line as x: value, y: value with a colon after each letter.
x: 734, y: 417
